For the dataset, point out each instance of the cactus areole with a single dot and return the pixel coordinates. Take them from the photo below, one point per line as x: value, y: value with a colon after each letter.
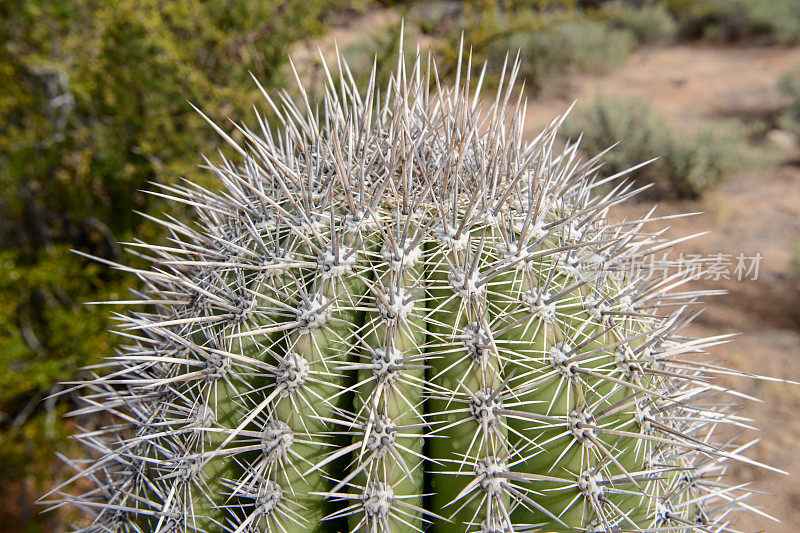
x: 397, y: 315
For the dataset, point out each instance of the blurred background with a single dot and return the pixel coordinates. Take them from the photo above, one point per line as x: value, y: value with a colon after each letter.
x: 93, y: 109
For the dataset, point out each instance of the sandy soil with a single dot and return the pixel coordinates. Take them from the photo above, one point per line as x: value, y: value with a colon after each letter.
x: 753, y: 212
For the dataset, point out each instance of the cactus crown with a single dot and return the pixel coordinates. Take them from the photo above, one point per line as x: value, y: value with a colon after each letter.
x: 397, y: 315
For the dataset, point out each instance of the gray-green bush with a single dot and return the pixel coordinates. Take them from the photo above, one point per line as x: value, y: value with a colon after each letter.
x: 772, y: 21
x: 689, y: 161
x: 789, y: 117
x: 650, y: 24
x: 549, y: 43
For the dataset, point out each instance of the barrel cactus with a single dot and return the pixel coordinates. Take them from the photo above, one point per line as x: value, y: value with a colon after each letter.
x: 397, y: 315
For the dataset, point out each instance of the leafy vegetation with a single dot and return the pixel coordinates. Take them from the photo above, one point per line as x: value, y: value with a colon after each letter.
x: 789, y: 118
x: 650, y: 23
x: 380, y: 47
x: 794, y: 265
x: 549, y: 41
x: 772, y: 21
x: 95, y: 108
x: 689, y: 162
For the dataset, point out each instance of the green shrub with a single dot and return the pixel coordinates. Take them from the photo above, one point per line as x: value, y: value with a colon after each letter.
x: 650, y: 23
x: 794, y: 264
x: 98, y: 88
x: 689, y: 162
x: 435, y: 18
x: 695, y: 163
x: 592, y: 44
x: 775, y: 21
x: 379, y: 47
x: 549, y: 42
x: 780, y: 19
x: 789, y: 118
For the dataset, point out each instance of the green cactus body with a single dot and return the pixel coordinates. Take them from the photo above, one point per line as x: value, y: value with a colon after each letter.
x: 385, y: 322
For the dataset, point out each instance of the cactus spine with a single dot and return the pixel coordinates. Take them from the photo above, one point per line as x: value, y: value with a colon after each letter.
x: 383, y: 322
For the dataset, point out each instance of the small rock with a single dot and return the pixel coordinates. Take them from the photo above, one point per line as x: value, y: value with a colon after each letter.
x: 783, y: 139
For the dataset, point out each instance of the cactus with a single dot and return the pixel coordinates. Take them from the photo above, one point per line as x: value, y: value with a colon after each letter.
x: 397, y: 315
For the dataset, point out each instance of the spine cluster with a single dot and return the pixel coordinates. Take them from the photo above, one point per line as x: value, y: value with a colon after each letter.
x: 396, y: 315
